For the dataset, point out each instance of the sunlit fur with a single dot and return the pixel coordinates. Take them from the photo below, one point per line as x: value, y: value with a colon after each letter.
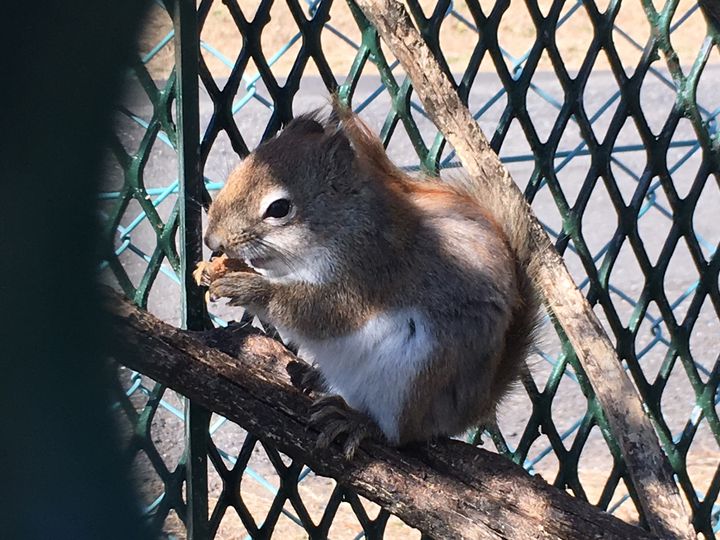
x: 410, y: 295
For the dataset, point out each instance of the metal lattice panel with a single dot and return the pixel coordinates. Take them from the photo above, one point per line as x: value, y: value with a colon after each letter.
x: 604, y: 115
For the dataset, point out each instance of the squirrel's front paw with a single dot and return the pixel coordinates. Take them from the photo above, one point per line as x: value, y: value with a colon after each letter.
x: 242, y: 288
x: 208, y: 271
x: 334, y: 418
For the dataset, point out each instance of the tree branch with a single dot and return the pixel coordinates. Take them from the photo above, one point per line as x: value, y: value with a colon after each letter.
x: 446, y: 489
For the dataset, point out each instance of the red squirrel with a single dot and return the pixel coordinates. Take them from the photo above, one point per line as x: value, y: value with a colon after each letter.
x: 412, y: 298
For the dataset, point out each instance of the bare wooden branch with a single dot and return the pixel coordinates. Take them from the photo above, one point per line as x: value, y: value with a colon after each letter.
x: 645, y: 461
x: 446, y: 489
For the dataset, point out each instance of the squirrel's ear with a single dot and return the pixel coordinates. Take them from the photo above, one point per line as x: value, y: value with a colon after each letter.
x: 338, y: 138
x: 304, y: 124
x: 337, y: 159
x: 338, y: 146
x: 333, y: 121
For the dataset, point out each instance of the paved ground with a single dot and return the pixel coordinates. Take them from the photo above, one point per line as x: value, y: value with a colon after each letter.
x: 599, y: 224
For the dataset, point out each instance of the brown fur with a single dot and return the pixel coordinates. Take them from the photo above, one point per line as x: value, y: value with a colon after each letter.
x: 391, y: 241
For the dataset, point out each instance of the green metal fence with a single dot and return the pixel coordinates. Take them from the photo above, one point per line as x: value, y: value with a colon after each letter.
x: 619, y: 158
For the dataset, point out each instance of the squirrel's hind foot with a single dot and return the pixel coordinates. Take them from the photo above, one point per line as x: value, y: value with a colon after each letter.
x: 305, y: 377
x: 334, y: 418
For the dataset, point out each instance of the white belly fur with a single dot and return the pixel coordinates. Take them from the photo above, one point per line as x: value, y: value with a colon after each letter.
x: 373, y: 367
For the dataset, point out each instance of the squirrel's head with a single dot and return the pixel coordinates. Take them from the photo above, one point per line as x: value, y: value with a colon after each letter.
x: 291, y: 202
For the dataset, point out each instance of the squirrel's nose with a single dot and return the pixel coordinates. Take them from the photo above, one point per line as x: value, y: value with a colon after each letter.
x: 213, y: 241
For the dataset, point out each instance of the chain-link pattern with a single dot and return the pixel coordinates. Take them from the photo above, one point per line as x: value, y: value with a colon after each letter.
x: 637, y: 145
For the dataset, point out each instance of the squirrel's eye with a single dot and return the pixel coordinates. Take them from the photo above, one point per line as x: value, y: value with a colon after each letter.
x: 278, y: 209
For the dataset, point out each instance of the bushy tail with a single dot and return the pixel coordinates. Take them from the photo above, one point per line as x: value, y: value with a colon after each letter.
x: 510, y: 215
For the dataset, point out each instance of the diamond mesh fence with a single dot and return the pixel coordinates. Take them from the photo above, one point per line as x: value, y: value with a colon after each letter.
x: 606, y: 115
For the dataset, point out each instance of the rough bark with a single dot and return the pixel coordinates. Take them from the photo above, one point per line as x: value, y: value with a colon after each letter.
x: 645, y: 461
x: 446, y: 489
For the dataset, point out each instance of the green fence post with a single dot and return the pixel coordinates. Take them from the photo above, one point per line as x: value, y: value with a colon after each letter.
x: 187, y: 53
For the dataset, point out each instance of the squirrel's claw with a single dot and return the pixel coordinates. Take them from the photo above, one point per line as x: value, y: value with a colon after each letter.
x: 305, y: 377
x: 201, y: 274
x: 334, y: 418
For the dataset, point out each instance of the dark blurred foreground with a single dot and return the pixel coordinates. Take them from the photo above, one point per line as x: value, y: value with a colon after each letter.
x: 62, y: 476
